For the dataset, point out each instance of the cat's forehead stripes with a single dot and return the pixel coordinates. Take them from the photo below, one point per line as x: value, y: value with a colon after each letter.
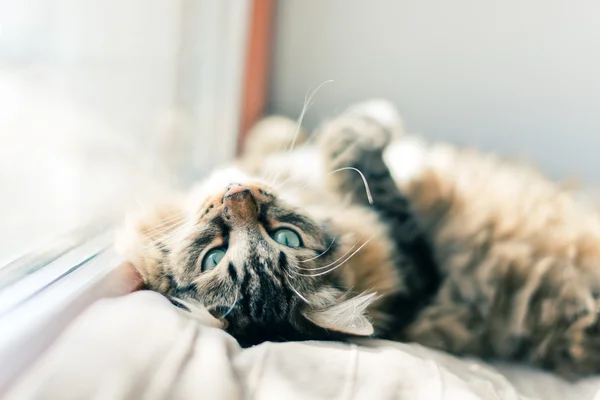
x: 205, y: 237
x: 231, y: 269
x: 206, y: 233
x: 272, y: 214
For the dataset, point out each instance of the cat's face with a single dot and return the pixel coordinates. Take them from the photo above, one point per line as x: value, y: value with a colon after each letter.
x: 261, y: 264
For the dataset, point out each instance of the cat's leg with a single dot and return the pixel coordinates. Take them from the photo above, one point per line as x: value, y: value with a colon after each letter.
x: 352, y: 147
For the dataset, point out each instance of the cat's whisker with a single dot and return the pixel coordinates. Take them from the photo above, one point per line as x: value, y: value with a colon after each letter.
x: 164, y: 223
x: 367, y: 188
x: 163, y: 236
x: 280, y: 185
x: 340, y: 264
x: 165, y: 231
x: 330, y: 264
x: 307, y: 103
x: 172, y: 218
x: 232, y: 306
x: 167, y: 228
x: 269, y: 177
x: 305, y: 107
x: 322, y: 254
x: 275, y: 178
x: 296, y: 186
x: 296, y: 290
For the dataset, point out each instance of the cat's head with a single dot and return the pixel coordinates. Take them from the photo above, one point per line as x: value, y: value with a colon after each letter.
x: 253, y: 260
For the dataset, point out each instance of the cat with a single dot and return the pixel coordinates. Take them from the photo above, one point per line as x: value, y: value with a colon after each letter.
x: 362, y: 230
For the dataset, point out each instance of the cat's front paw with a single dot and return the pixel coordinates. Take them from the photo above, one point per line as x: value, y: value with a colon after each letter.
x: 353, y: 139
x: 382, y: 111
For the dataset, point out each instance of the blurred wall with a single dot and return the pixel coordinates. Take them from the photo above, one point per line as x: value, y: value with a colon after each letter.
x: 521, y: 78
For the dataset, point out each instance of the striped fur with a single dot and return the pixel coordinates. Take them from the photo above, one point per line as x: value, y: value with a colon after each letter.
x: 458, y: 250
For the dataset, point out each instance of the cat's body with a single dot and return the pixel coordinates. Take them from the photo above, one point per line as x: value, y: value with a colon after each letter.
x: 464, y: 252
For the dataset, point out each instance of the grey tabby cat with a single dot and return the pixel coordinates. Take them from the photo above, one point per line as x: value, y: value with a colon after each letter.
x: 449, y: 248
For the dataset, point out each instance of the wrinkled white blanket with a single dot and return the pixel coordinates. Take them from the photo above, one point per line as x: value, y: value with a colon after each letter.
x: 141, y: 347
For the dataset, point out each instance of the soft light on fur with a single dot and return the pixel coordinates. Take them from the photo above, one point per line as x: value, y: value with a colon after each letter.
x: 461, y: 251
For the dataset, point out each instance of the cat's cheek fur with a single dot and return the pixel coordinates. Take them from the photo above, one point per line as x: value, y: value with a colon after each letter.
x: 144, y: 241
x: 348, y: 316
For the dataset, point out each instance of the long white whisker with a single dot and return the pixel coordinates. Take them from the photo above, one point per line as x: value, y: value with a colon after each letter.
x: 280, y: 185
x: 274, y: 177
x: 164, y: 222
x: 174, y: 217
x: 307, y: 104
x: 168, y: 234
x: 367, y: 189
x: 232, y: 306
x: 323, y: 253
x: 295, y: 290
x: 330, y: 264
x: 163, y: 230
x: 340, y: 264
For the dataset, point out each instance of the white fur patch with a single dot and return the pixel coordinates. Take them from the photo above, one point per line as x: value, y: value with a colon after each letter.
x: 381, y: 111
x: 406, y: 158
x: 346, y: 316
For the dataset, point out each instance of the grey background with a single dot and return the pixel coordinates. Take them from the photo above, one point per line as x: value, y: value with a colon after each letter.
x: 520, y: 78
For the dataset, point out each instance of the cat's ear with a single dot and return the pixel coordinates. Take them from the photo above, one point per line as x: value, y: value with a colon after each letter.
x: 347, y: 316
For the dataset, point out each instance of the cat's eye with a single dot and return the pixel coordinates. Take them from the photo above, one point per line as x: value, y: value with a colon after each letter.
x: 212, y: 259
x: 287, y: 237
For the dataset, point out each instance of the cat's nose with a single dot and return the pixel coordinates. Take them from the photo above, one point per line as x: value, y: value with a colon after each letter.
x: 237, y: 190
x: 240, y: 204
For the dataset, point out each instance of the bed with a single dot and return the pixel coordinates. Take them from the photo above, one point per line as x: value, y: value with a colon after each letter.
x: 142, y: 347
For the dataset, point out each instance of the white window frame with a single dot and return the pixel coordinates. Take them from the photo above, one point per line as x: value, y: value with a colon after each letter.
x: 79, y: 269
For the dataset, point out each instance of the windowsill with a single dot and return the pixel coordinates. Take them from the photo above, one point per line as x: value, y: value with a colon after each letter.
x: 30, y: 328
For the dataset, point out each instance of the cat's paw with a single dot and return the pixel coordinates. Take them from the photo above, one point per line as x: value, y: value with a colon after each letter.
x: 382, y: 111
x: 352, y: 148
x: 353, y: 139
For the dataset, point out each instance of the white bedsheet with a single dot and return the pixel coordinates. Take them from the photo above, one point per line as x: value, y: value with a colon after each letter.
x: 141, y: 347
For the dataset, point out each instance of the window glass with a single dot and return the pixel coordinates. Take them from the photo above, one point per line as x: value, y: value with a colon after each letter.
x: 105, y: 103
